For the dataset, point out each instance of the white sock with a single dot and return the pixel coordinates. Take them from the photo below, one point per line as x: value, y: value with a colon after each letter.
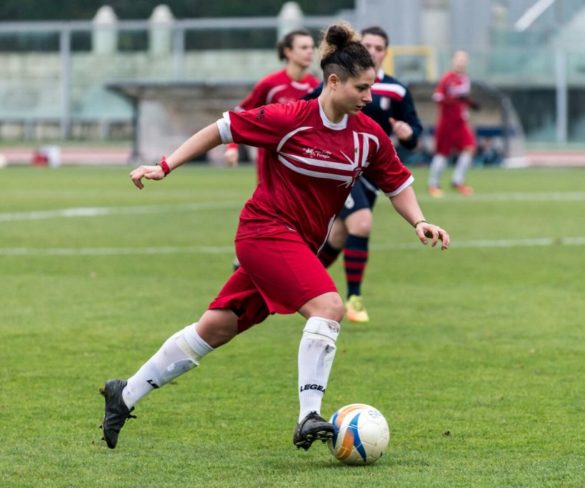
x: 180, y: 353
x: 316, y: 354
x: 463, y: 163
x: 438, y: 165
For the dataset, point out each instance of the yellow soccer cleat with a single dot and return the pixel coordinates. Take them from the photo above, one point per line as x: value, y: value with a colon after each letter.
x: 355, y: 310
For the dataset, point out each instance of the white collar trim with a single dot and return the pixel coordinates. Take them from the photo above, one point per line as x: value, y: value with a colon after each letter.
x: 341, y: 125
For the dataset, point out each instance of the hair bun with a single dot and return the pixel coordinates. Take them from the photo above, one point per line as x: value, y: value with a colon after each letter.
x: 338, y: 35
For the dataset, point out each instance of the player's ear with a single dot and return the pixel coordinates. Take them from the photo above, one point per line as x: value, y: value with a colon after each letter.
x: 333, y: 80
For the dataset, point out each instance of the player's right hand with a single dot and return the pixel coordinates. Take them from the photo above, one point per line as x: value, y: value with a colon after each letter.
x: 153, y: 172
x: 231, y: 156
x: 401, y: 129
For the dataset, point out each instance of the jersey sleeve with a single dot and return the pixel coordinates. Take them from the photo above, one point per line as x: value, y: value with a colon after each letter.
x: 386, y: 170
x: 260, y: 127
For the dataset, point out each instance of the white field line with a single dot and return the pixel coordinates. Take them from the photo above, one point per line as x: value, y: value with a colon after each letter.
x: 137, y: 251
x: 114, y: 251
x: 85, y: 212
x: 574, y: 196
x: 487, y: 244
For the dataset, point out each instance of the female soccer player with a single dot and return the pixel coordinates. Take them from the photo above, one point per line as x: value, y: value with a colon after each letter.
x: 393, y: 108
x: 454, y: 134
x: 287, y: 85
x: 315, y: 151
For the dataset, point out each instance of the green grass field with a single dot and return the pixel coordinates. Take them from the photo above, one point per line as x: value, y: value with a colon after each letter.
x: 474, y: 355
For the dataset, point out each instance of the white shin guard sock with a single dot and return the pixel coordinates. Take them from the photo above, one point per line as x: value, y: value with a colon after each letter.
x: 463, y: 163
x: 316, y: 354
x: 180, y: 353
x: 438, y: 165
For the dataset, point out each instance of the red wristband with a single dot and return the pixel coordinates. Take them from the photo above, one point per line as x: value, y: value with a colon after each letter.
x: 164, y: 165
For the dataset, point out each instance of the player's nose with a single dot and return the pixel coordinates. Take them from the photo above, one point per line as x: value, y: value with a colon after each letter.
x: 367, y: 98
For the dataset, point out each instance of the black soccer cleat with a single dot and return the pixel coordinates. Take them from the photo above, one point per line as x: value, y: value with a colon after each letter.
x: 116, y: 411
x: 312, y: 428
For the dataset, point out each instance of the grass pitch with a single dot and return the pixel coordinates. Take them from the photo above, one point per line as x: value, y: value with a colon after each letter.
x: 474, y: 355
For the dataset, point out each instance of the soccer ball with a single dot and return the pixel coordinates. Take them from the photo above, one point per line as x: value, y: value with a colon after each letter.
x: 361, y: 434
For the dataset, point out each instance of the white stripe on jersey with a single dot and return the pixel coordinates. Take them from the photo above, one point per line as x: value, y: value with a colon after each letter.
x: 389, y: 88
x: 289, y: 135
x: 365, y: 148
x: 300, y: 86
x: 321, y: 163
x: 273, y: 92
x: 407, y: 183
x: 329, y: 176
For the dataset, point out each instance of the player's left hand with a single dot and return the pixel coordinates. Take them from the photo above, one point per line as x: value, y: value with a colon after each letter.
x: 402, y: 130
x: 426, y: 230
x: 153, y: 172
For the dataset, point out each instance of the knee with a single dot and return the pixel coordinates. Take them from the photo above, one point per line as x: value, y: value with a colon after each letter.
x: 332, y: 309
x: 360, y: 224
x: 327, y: 306
x: 217, y: 327
x: 363, y: 228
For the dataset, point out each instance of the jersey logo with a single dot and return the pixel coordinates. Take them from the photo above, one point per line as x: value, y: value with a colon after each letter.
x: 317, y: 163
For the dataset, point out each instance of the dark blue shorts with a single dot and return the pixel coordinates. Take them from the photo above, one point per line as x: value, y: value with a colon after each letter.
x: 363, y: 195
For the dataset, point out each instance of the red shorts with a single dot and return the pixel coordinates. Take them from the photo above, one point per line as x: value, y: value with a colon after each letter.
x: 453, y: 138
x: 276, y: 275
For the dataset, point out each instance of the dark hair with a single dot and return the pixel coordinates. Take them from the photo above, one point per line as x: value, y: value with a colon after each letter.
x: 342, y: 52
x: 288, y: 40
x: 376, y: 31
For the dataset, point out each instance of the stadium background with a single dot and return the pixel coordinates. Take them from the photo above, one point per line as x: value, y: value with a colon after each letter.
x: 61, y: 63
x: 474, y: 355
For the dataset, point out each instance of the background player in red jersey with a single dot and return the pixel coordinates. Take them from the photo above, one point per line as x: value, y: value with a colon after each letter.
x: 453, y: 134
x: 315, y: 151
x: 287, y: 85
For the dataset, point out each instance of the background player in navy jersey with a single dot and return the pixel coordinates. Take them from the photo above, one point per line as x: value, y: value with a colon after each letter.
x: 393, y: 108
x: 315, y: 151
x: 286, y: 85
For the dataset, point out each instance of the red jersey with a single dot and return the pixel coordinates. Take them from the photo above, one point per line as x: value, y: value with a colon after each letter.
x: 452, y: 94
x: 278, y: 87
x: 310, y: 166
